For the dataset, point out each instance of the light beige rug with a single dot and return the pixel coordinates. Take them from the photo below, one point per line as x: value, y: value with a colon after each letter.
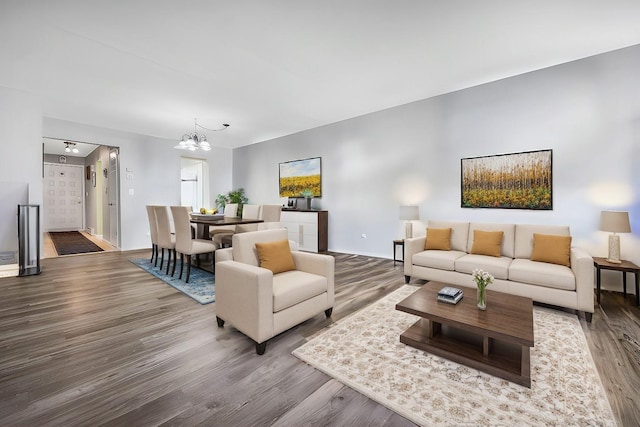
x: 364, y: 352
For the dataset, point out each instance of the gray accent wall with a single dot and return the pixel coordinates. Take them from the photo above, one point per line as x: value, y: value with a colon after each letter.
x: 586, y: 111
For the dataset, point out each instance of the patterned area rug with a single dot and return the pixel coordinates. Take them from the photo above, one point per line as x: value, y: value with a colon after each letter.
x: 72, y: 242
x: 201, y: 286
x: 364, y: 352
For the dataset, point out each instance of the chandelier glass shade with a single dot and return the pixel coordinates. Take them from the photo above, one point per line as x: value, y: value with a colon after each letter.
x: 70, y: 147
x: 197, y: 141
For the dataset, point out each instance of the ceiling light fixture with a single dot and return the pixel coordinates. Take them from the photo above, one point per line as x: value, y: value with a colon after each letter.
x: 197, y: 141
x: 70, y: 147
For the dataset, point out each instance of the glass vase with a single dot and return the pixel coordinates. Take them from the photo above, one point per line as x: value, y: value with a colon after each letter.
x: 482, y: 298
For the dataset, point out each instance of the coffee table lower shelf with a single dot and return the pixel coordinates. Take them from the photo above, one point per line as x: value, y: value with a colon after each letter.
x: 504, y: 360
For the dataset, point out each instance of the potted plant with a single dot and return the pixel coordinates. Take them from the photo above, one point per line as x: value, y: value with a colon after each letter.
x: 307, y: 194
x: 234, y: 196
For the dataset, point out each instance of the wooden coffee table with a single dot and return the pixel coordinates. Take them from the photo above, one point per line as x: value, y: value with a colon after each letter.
x: 496, y: 341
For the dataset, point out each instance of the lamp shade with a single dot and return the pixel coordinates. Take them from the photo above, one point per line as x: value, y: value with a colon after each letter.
x: 409, y: 213
x: 615, y: 221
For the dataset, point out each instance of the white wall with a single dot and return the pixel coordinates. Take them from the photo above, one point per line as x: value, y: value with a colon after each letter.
x: 150, y: 167
x: 20, y: 160
x: 587, y: 111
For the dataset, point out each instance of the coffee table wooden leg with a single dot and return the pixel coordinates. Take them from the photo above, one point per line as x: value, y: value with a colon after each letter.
x: 434, y: 328
x: 525, y: 362
x: 487, y: 345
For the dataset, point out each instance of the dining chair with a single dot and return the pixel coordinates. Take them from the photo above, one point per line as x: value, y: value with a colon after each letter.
x: 249, y: 212
x: 153, y: 232
x: 166, y: 240
x: 270, y: 214
x: 230, y: 211
x: 185, y: 244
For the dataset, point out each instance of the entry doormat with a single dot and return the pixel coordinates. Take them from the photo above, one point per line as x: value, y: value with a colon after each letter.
x: 364, y: 352
x: 72, y: 242
x: 201, y: 286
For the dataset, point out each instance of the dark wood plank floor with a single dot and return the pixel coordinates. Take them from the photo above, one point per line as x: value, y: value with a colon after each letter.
x: 94, y: 340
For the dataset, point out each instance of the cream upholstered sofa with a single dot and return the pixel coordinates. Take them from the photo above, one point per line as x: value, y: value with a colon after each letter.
x: 261, y: 303
x: 514, y: 271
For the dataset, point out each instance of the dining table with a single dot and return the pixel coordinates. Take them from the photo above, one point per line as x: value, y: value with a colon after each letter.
x: 204, y: 221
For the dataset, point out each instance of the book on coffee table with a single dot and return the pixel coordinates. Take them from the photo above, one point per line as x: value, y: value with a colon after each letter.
x: 450, y: 295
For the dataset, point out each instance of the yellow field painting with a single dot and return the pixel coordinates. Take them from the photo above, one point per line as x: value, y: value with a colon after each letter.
x: 292, y: 186
x: 517, y: 181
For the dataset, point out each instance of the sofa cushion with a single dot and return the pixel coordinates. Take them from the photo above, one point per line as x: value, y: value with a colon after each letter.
x: 543, y: 274
x: 459, y: 233
x: 524, y: 237
x: 553, y: 249
x: 443, y: 260
x: 275, y: 256
x: 438, y: 239
x: 508, y: 231
x: 498, y: 267
x: 293, y: 287
x: 487, y: 242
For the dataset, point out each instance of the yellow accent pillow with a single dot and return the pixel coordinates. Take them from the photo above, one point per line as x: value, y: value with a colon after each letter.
x: 438, y: 239
x: 275, y: 256
x: 487, y: 243
x: 551, y: 248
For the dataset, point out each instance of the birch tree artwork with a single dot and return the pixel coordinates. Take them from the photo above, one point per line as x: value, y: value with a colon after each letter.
x: 508, y: 181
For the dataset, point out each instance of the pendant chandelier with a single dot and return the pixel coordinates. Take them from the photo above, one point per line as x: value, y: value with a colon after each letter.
x: 197, y: 141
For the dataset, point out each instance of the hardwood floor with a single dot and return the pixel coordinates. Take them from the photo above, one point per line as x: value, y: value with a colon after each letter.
x: 94, y: 340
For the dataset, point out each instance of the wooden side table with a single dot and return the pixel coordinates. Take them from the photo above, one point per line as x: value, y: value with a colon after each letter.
x: 396, y: 243
x: 625, y: 267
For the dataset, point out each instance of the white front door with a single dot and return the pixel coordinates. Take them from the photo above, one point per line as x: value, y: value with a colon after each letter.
x: 113, y: 190
x: 63, y: 197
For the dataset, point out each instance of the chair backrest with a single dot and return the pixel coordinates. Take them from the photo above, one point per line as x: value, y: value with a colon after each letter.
x: 164, y: 230
x: 250, y: 211
x: 182, y: 223
x: 153, y: 224
x: 244, y: 244
x: 231, y: 210
x: 270, y: 213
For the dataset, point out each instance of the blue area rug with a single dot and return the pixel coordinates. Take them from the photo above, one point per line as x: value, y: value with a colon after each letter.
x: 201, y: 286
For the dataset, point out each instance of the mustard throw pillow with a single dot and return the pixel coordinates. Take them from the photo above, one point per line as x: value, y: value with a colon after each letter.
x: 438, y: 239
x: 275, y: 256
x: 551, y: 248
x: 487, y: 242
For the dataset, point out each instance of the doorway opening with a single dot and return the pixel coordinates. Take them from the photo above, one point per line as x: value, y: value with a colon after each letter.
x: 81, y: 192
x: 194, y: 186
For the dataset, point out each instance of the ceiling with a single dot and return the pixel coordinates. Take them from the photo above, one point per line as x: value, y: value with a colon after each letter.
x: 273, y: 68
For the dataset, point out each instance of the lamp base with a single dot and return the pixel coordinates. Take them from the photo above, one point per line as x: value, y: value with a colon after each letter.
x: 408, y: 230
x: 614, y: 249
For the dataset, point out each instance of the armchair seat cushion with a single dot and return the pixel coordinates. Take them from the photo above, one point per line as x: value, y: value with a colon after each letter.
x: 293, y: 287
x: 443, y: 260
x: 543, y: 274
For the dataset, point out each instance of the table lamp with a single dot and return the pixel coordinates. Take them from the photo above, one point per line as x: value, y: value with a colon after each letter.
x: 614, y: 222
x: 408, y: 214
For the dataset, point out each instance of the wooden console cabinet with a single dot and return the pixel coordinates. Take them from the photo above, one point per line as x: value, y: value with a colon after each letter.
x: 308, y: 228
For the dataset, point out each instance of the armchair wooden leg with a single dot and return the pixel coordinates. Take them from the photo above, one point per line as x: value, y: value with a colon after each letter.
x: 220, y: 322
x: 588, y: 316
x: 261, y: 347
x: 328, y: 312
x: 406, y: 279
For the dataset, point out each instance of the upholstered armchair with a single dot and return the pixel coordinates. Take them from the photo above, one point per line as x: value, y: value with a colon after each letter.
x: 263, y: 287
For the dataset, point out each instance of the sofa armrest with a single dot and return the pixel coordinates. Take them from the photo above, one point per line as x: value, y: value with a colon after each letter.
x: 244, y: 297
x: 225, y: 254
x: 582, y: 267
x: 411, y: 247
x: 320, y: 264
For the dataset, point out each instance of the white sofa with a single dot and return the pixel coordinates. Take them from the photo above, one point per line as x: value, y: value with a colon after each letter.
x: 514, y: 271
